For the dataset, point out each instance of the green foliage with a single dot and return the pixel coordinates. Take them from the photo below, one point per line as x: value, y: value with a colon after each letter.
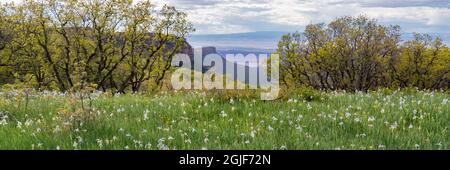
x: 115, y: 44
x: 304, y: 93
x: 358, y: 54
x: 423, y: 63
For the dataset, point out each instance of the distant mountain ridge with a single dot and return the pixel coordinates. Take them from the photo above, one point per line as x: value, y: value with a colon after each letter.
x: 261, y: 42
x: 251, y: 40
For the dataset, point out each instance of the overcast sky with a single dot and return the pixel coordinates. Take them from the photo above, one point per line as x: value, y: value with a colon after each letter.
x: 231, y: 16
x: 227, y: 16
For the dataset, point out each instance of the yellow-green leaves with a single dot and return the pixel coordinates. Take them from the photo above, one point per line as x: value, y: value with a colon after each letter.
x: 115, y: 44
x: 358, y: 54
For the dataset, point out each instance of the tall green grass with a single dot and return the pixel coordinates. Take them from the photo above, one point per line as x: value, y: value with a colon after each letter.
x: 205, y: 120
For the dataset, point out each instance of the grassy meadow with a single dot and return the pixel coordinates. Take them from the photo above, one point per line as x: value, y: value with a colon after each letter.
x: 384, y: 119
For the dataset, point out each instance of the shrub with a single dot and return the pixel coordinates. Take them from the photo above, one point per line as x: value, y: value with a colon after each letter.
x: 227, y: 95
x: 305, y: 93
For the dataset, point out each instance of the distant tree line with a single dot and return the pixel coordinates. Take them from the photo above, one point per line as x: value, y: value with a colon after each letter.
x: 110, y: 44
x: 358, y: 54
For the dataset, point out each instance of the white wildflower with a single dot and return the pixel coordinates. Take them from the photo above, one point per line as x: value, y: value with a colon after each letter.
x: 445, y: 101
x: 146, y: 115
x: 19, y: 125
x: 161, y: 145
x: 371, y: 119
x: 393, y: 126
x: 274, y: 118
x: 75, y: 145
x: 252, y: 134
x: 347, y: 114
x: 3, y: 122
x: 299, y: 117
x: 223, y: 114
x: 309, y: 107
x: 299, y: 128
x: 3, y: 118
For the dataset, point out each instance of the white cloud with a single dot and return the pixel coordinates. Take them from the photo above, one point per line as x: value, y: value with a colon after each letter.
x: 224, y: 16
x: 420, y: 15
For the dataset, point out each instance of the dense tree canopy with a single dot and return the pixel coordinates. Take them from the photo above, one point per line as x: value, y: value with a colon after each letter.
x: 110, y: 44
x: 359, y: 54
